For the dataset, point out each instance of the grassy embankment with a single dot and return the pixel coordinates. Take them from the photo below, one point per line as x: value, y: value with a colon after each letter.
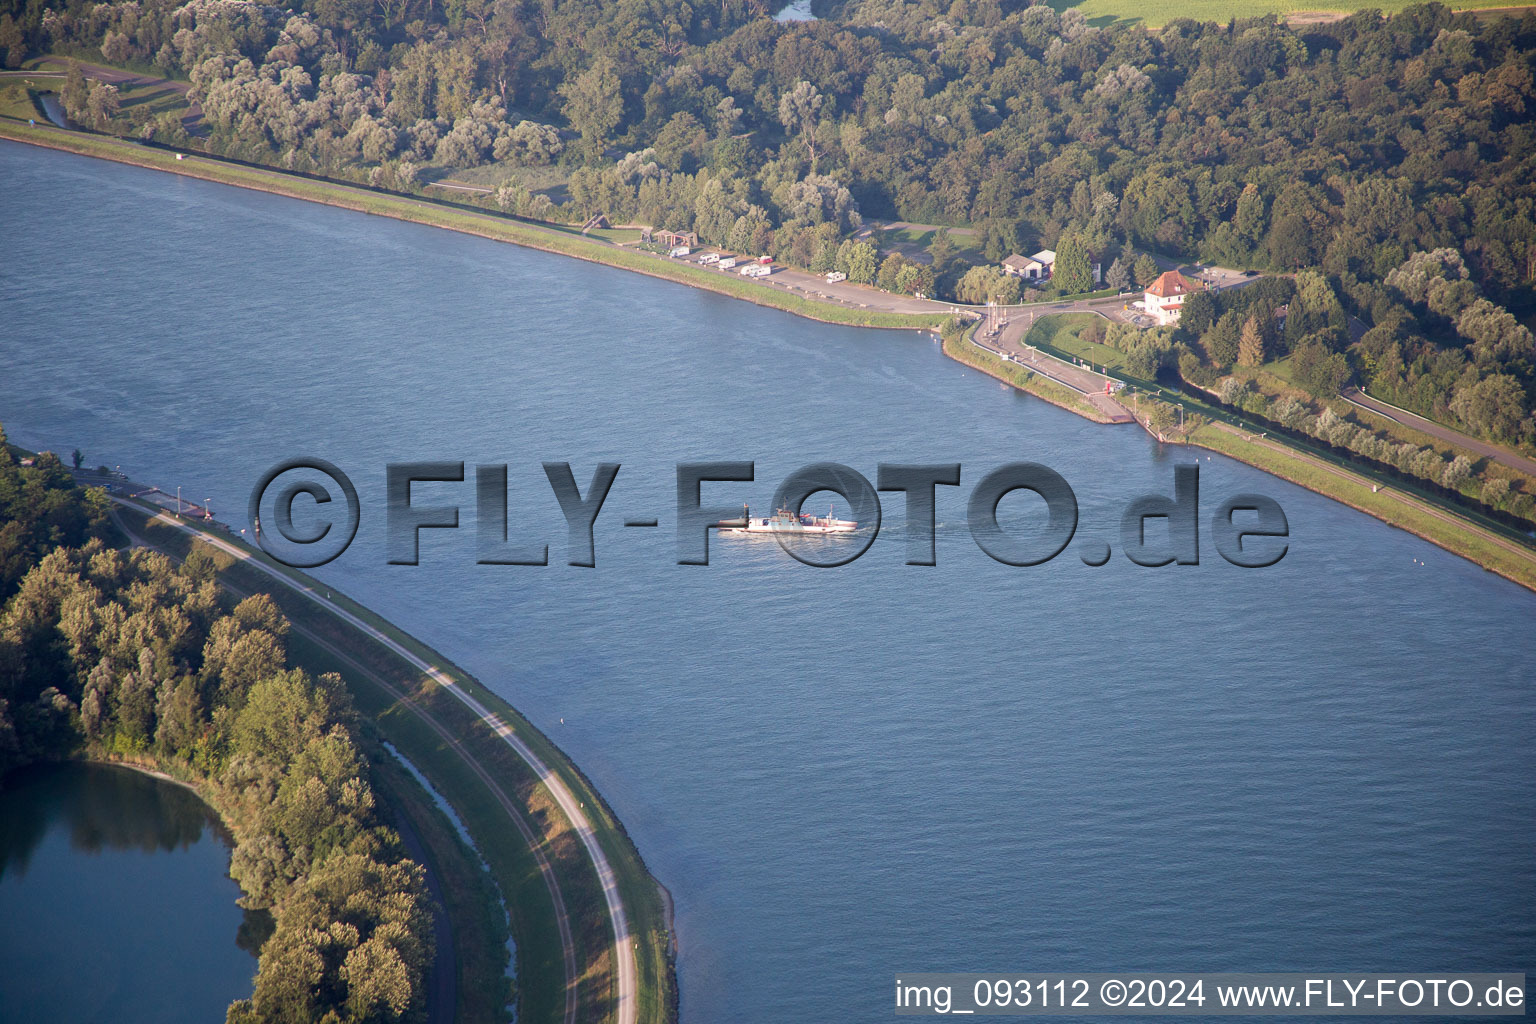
x: 1063, y: 334
x: 1420, y: 512
x: 473, y: 902
x: 1060, y: 334
x: 540, y: 968
x: 17, y: 98
x: 1446, y: 529
x: 456, y: 218
x: 1104, y: 12
x: 1277, y: 376
x: 958, y: 345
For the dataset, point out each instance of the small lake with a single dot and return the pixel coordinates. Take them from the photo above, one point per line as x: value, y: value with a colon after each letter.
x: 115, y: 901
x: 795, y: 10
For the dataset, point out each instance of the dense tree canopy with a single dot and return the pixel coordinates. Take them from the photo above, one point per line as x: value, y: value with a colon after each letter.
x: 1393, y: 157
x: 124, y: 654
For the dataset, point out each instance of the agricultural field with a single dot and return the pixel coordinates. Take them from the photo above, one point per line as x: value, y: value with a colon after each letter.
x: 154, y: 98
x: 1107, y: 12
x: 547, y: 179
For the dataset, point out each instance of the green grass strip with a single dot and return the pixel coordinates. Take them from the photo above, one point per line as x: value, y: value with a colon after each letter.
x: 455, y: 218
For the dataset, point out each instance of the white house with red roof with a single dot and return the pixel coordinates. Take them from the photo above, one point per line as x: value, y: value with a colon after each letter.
x: 1164, y: 299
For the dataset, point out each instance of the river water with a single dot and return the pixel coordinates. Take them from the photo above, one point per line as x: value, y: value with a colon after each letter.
x: 115, y: 901
x: 846, y: 773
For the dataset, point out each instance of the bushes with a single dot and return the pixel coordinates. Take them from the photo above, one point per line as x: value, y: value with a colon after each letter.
x: 1453, y: 477
x: 1146, y: 352
x: 1318, y: 370
x: 128, y: 656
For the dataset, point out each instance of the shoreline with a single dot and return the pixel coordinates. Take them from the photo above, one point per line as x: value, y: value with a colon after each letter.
x: 1511, y: 562
x: 653, y: 992
x: 154, y: 773
x: 1445, y: 527
x: 465, y: 220
x: 1020, y: 378
x: 549, y: 239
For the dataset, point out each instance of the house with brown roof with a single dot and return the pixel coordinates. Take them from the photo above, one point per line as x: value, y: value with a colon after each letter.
x: 1037, y: 269
x: 672, y: 239
x: 1164, y: 299
x: 1031, y: 268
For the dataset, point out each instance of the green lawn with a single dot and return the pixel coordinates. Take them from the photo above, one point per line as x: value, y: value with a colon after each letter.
x: 1380, y: 501
x: 1104, y: 12
x: 156, y: 99
x: 16, y: 99
x: 620, y: 236
x: 967, y: 241
x: 1062, y: 331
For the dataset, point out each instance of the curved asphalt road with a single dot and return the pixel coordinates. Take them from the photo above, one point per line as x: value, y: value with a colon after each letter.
x: 1354, y: 396
x: 628, y: 1007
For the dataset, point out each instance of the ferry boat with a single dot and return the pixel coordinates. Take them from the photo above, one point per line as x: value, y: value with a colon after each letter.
x: 785, y: 521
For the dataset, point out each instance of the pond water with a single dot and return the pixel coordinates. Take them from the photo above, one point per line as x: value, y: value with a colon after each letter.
x: 115, y: 901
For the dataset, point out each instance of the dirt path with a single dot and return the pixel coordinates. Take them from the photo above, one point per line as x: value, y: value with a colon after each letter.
x: 508, y: 805
x: 1503, y: 456
x: 1389, y: 493
x: 192, y: 120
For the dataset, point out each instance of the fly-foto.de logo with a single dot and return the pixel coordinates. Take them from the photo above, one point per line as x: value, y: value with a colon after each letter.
x: 1248, y: 530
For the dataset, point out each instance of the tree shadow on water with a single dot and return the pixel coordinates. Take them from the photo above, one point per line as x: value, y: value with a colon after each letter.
x: 102, y: 807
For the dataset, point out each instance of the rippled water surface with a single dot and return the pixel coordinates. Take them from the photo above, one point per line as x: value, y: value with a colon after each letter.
x: 844, y: 773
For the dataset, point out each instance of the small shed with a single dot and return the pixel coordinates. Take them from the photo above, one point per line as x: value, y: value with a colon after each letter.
x: 676, y: 239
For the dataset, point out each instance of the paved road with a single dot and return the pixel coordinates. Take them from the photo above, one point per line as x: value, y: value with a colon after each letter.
x: 627, y: 976
x: 1009, y: 340
x: 815, y: 286
x: 192, y: 120
x: 1503, y: 456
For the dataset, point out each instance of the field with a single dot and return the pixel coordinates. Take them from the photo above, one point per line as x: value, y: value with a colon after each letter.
x: 1105, y: 12
x: 1061, y: 334
x: 16, y: 100
x: 913, y: 240
x: 155, y: 99
x: 550, y: 180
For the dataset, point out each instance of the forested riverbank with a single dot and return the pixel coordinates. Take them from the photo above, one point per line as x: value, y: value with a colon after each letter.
x: 1389, y: 155
x: 124, y: 656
